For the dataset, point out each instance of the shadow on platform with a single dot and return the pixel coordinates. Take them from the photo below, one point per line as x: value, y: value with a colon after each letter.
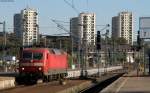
x: 130, y: 92
x: 9, y: 74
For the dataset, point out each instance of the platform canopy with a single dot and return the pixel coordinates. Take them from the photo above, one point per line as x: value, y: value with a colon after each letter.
x: 144, y: 27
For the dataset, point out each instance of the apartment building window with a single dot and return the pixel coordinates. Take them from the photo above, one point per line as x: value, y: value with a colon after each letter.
x: 92, y: 37
x: 34, y: 36
x: 85, y: 18
x: 34, y: 28
x: 92, y: 30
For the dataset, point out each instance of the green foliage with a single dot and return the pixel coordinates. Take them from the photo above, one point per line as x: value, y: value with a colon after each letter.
x: 121, y: 41
x: 121, y: 56
x: 70, y: 61
x: 11, y: 47
x: 117, y: 41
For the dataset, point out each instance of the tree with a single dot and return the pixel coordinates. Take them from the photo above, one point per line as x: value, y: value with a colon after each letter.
x: 121, y: 41
x: 121, y: 56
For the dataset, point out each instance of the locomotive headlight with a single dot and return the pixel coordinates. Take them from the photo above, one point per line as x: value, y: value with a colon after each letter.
x: 40, y: 68
x: 22, y: 68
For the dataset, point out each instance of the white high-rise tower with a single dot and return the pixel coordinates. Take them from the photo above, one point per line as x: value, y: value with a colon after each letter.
x: 122, y: 26
x: 83, y: 30
x: 29, y: 26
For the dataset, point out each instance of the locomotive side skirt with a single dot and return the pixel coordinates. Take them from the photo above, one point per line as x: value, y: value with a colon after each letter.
x: 31, y: 64
x: 55, y: 71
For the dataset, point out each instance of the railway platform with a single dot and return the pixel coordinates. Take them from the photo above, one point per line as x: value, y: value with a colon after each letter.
x: 6, y: 82
x: 129, y: 83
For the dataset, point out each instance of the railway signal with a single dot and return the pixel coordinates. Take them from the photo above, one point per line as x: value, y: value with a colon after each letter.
x: 98, y: 45
x: 139, y: 42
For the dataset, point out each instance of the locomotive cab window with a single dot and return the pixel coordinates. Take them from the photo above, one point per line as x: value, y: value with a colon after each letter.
x: 30, y: 56
x: 27, y: 55
x: 37, y: 56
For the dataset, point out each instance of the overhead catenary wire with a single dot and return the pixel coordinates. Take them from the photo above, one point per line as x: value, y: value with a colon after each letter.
x: 72, y: 6
x: 66, y: 30
x: 60, y: 34
x: 87, y: 4
x: 60, y: 26
x: 46, y: 26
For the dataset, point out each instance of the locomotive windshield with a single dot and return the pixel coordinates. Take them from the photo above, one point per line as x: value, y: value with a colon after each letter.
x: 34, y: 56
x: 37, y: 56
x: 27, y: 55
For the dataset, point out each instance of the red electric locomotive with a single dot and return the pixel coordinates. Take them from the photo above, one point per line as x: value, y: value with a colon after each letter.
x: 42, y: 63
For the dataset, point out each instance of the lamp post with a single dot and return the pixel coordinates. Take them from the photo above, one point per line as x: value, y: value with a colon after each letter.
x: 98, y: 47
x: 106, y: 51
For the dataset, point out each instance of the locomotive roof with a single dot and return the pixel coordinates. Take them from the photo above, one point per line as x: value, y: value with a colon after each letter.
x: 51, y: 50
x: 56, y: 51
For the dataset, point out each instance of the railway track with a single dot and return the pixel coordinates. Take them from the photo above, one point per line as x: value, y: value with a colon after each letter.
x: 48, y: 87
x: 54, y: 86
x: 107, y: 80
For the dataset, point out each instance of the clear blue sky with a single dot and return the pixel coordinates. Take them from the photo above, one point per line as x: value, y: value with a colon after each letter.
x: 58, y: 9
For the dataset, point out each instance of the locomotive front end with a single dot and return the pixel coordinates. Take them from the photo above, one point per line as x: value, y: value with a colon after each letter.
x: 31, y: 65
x: 31, y: 62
